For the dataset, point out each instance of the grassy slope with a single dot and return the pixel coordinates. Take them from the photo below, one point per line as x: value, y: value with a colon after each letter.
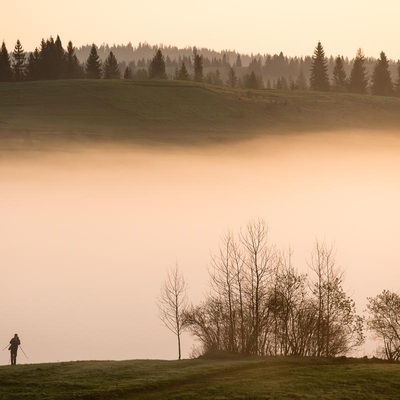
x: 257, y: 378
x: 176, y: 112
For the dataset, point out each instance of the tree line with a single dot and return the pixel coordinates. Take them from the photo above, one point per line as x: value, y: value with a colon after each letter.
x: 318, y: 72
x: 258, y: 303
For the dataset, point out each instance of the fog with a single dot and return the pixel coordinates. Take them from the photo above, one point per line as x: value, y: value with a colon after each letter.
x: 87, y: 236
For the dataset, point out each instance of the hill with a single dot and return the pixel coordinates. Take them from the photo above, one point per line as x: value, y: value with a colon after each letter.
x: 35, y: 113
x: 251, y: 378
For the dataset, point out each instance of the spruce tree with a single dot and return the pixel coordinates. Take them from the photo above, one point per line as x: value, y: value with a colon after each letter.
x: 59, y: 59
x: 198, y: 66
x: 232, y: 80
x: 182, y: 73
x: 319, y: 70
x: 128, y: 73
x: 397, y: 87
x: 72, y: 66
x: 381, y: 81
x: 339, y: 75
x: 157, y: 66
x: 5, y: 65
x: 33, y: 65
x: 358, y: 82
x: 93, y: 64
x: 18, y: 64
x: 111, y: 70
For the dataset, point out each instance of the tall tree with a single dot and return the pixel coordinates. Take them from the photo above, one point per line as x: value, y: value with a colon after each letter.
x: 182, y: 73
x: 232, y: 80
x: 18, y: 64
x: 381, y: 81
x: 319, y: 70
x: 384, y: 322
x: 59, y: 59
x: 339, y: 75
x: 5, y: 65
x: 358, y: 82
x: 128, y: 73
x: 338, y: 327
x: 157, y: 66
x: 198, y: 66
x: 33, y: 66
x: 93, y: 64
x: 72, y: 66
x: 111, y: 70
x: 398, y: 78
x: 172, y: 304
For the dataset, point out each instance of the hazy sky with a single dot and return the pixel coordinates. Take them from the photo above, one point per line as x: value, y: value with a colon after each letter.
x: 252, y: 26
x: 87, y: 238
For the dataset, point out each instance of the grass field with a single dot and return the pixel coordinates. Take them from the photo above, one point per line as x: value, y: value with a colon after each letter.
x: 253, y: 378
x: 34, y: 113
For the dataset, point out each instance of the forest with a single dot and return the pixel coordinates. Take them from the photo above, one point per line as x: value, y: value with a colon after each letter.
x: 367, y: 75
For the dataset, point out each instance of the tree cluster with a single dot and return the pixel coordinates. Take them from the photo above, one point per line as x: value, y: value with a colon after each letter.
x: 259, y: 304
x: 50, y: 61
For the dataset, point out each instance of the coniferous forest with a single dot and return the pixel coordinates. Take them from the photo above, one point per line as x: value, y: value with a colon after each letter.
x: 52, y: 60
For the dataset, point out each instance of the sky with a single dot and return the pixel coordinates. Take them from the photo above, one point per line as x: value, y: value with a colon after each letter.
x: 253, y: 26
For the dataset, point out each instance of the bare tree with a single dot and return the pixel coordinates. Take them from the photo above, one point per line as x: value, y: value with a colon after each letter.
x: 384, y: 322
x: 338, y: 327
x: 172, y: 303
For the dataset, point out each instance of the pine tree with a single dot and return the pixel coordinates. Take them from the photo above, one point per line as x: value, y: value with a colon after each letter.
x: 358, y: 82
x: 59, y: 59
x: 72, y: 66
x: 339, y: 75
x: 33, y: 65
x: 93, y: 64
x: 381, y: 81
x: 238, y: 63
x: 398, y: 78
x: 232, y: 80
x: 301, y: 82
x: 157, y: 66
x: 18, y: 64
x: 111, y: 70
x: 319, y: 70
x: 198, y: 66
x: 182, y: 73
x: 251, y: 81
x: 128, y: 73
x: 5, y: 65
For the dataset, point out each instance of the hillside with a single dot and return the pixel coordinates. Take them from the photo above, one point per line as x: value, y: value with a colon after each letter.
x: 252, y: 378
x: 35, y: 113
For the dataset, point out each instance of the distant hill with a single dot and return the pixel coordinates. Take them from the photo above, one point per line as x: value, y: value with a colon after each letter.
x: 173, y: 112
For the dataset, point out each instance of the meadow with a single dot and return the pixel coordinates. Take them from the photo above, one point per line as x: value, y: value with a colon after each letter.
x: 225, y: 378
x: 36, y: 114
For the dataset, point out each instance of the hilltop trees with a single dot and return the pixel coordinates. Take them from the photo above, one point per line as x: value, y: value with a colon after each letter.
x: 172, y: 304
x: 93, y: 64
x: 339, y: 75
x: 384, y: 322
x: 182, y: 73
x: 381, y: 80
x: 111, y: 70
x: 5, y: 65
x: 319, y: 70
x: 18, y: 64
x: 198, y: 66
x: 157, y: 66
x: 358, y: 82
x: 73, y: 69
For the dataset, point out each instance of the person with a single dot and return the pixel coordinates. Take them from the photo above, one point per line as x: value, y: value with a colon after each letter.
x: 14, y: 343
